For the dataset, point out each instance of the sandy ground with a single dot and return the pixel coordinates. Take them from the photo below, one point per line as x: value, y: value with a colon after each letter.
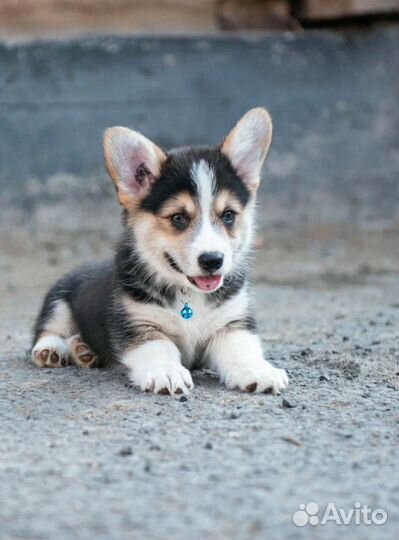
x: 83, y: 455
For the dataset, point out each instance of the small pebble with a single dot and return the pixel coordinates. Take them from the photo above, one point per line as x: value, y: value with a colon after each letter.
x: 182, y: 399
x: 324, y: 377
x: 233, y: 416
x: 126, y: 451
x: 155, y: 447
x: 208, y: 446
x: 288, y: 404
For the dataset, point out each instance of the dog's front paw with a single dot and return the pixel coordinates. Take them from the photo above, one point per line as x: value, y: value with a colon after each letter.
x: 261, y: 377
x: 167, y: 379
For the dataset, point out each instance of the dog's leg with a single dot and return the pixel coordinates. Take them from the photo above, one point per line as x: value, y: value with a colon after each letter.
x: 237, y: 357
x: 156, y: 367
x: 51, y: 348
x: 81, y: 354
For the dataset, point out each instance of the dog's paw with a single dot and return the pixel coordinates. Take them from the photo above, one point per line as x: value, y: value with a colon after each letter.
x: 81, y: 353
x: 51, y: 352
x: 262, y: 377
x: 168, y: 379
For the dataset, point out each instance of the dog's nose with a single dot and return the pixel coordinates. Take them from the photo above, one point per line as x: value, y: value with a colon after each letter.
x: 210, y: 261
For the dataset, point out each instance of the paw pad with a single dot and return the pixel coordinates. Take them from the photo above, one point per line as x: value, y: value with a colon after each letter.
x: 81, y: 354
x: 49, y: 357
x: 54, y: 358
x: 251, y: 388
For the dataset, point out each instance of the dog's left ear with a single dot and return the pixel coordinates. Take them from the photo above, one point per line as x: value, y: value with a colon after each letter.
x: 133, y: 162
x: 247, y: 144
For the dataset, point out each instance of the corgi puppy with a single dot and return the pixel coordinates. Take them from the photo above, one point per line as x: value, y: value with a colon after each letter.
x: 175, y: 295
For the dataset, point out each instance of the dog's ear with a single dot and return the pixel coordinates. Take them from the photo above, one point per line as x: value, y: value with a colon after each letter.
x: 133, y: 162
x: 247, y: 144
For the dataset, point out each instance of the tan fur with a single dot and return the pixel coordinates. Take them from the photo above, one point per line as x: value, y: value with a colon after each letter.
x: 159, y: 235
x: 180, y: 203
x: 226, y: 200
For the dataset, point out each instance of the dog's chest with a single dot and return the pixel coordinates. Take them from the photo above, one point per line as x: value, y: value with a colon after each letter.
x: 190, y: 335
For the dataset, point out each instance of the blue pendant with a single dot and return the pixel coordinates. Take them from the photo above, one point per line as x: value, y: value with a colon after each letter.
x: 186, y: 312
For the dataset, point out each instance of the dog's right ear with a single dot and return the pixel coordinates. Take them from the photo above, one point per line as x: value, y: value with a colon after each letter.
x: 133, y: 162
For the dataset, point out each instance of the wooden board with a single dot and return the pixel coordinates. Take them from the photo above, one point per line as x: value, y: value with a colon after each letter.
x: 41, y: 17
x: 331, y: 9
x: 255, y: 14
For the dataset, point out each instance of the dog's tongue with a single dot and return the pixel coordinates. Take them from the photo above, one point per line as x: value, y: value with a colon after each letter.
x: 207, y: 283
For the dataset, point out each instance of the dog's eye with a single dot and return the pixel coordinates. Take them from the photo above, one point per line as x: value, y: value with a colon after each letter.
x: 228, y: 217
x: 180, y: 221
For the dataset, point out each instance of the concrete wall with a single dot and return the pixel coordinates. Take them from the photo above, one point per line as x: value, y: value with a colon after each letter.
x: 332, y: 96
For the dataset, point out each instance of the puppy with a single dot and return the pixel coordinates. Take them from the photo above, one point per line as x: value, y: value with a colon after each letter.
x: 176, y: 294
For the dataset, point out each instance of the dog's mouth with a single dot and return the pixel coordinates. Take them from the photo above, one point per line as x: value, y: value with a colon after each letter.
x: 206, y: 283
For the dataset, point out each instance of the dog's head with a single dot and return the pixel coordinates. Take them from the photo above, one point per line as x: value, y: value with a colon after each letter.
x: 190, y: 210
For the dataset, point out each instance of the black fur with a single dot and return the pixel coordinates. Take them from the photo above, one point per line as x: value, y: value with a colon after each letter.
x: 136, y: 278
x: 175, y: 177
x: 172, y: 263
x: 87, y: 291
x: 247, y: 323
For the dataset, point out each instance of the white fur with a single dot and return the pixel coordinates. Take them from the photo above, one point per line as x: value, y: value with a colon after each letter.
x: 209, y: 236
x: 238, y: 359
x: 156, y: 365
x: 191, y: 333
x: 61, y: 320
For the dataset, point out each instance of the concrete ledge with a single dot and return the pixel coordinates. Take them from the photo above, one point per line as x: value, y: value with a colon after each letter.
x: 332, y: 97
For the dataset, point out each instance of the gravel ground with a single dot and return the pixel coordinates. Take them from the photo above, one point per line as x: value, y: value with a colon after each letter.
x: 83, y: 455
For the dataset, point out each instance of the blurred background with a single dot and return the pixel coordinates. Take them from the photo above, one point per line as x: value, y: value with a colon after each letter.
x: 183, y: 72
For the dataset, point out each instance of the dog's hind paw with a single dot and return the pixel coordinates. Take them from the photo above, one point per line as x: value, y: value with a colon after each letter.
x: 81, y: 353
x: 51, y: 351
